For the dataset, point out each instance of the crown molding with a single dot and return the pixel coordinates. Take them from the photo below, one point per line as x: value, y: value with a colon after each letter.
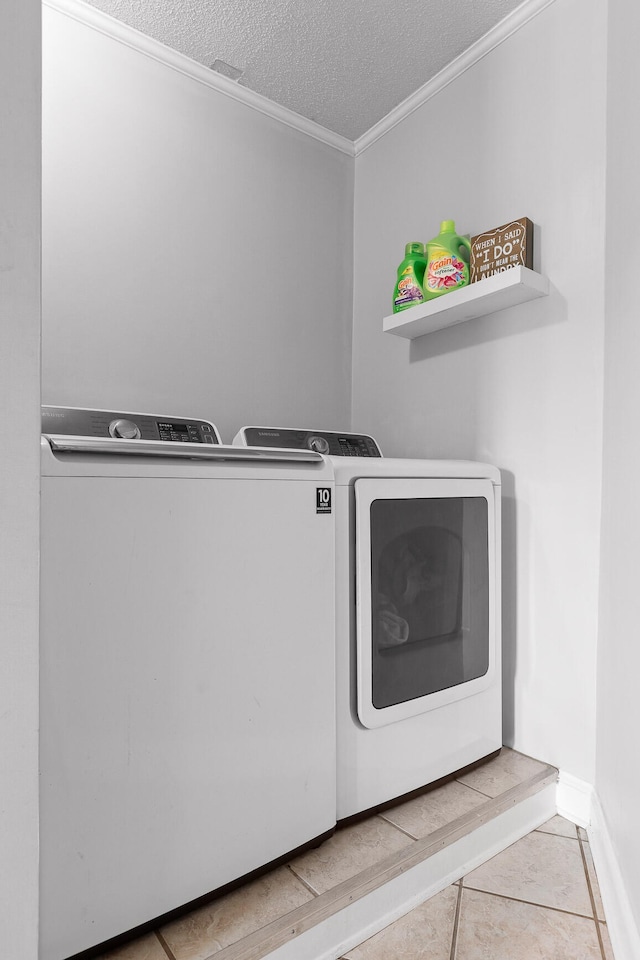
x: 493, y: 38
x: 116, y: 30
x: 121, y: 32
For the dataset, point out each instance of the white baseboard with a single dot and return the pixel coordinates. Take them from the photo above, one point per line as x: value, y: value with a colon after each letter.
x: 362, y: 919
x: 574, y: 799
x: 578, y: 802
x: 623, y: 929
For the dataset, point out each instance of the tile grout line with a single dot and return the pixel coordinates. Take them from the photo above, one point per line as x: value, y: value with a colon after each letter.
x: 165, y: 946
x: 548, y: 833
x: 476, y: 790
x: 401, y: 829
x: 456, y: 921
x: 591, y: 897
x: 530, y: 903
x: 307, y: 886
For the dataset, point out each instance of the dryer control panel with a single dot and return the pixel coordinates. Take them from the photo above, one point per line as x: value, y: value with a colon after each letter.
x: 81, y: 422
x: 322, y: 441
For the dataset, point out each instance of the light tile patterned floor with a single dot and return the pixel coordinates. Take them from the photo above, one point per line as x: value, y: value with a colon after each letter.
x: 537, y: 900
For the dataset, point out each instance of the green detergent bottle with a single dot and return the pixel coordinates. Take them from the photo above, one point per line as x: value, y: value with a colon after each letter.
x: 408, y: 290
x: 447, y: 262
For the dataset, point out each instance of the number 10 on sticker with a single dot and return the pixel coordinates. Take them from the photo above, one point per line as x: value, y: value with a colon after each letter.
x: 323, y: 499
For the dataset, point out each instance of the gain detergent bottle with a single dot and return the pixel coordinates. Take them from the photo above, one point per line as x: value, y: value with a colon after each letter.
x: 447, y: 262
x: 408, y: 288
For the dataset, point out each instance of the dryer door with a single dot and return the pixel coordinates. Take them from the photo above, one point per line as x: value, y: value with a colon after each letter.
x: 426, y: 594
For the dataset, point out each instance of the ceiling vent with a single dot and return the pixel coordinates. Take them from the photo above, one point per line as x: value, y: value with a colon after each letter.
x: 227, y: 70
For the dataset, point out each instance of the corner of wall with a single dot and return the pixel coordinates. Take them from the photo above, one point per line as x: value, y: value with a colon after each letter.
x: 623, y: 929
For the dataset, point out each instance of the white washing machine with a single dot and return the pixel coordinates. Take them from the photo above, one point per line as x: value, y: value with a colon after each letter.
x: 417, y: 615
x: 187, y: 698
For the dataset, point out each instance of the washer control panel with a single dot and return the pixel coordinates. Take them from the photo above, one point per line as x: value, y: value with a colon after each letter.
x: 80, y: 422
x: 322, y: 441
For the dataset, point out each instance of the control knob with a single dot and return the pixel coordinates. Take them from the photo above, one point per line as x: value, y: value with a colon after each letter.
x: 319, y: 444
x: 125, y: 429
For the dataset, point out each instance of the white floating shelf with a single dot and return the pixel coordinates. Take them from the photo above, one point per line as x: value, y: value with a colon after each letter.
x: 498, y: 292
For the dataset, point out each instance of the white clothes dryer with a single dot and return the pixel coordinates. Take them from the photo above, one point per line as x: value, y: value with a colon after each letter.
x: 187, y: 672
x: 417, y: 615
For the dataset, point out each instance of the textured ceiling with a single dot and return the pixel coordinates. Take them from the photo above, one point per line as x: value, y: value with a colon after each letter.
x: 343, y: 63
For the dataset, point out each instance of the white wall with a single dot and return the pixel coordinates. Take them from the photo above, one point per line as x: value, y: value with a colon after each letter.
x: 521, y: 133
x: 19, y: 474
x: 618, y: 771
x: 196, y: 254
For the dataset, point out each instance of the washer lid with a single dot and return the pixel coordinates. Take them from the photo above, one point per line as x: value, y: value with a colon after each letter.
x: 155, y: 448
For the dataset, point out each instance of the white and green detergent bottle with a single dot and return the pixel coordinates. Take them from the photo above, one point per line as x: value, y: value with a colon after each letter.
x: 447, y: 262
x: 408, y: 289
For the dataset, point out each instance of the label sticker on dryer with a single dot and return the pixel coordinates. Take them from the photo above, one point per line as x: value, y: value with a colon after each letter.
x: 323, y: 499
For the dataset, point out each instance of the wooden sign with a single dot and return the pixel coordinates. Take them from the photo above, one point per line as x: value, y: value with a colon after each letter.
x: 500, y: 249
